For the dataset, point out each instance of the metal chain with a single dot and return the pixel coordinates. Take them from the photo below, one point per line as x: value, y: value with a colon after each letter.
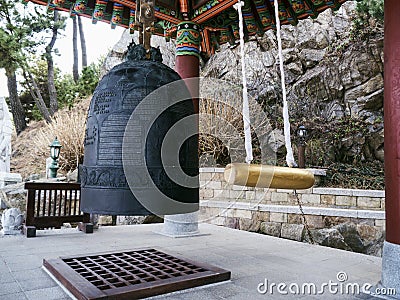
x: 304, y: 218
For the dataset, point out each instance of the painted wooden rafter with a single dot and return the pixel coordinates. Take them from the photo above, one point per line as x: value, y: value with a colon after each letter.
x: 215, y: 17
x: 212, y: 12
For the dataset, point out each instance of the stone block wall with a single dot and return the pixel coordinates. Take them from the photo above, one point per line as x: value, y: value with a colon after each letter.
x: 336, y: 217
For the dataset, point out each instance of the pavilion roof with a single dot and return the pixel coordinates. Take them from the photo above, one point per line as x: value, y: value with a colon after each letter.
x: 218, y: 19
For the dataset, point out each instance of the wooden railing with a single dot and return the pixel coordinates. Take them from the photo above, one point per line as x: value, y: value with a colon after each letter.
x: 50, y: 205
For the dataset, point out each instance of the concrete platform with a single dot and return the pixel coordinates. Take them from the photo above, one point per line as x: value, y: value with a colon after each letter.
x: 253, y: 259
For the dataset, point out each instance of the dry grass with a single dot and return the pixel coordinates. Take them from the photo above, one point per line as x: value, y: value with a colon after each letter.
x: 221, y: 133
x: 221, y: 139
x: 32, y: 145
x: 69, y: 128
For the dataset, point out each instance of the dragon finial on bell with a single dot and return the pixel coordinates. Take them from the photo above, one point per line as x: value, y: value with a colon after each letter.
x: 137, y: 52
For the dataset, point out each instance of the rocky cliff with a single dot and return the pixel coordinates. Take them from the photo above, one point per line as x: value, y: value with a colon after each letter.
x: 334, y: 81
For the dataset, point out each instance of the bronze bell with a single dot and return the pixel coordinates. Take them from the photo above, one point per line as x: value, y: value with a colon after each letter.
x: 104, y: 185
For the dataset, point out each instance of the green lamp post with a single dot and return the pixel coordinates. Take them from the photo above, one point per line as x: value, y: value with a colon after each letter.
x: 55, y: 148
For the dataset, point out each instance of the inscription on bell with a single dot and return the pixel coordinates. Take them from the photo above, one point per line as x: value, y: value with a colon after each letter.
x: 102, y: 102
x: 90, y: 137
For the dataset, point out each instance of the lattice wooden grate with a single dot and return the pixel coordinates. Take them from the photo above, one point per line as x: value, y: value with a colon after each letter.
x: 131, y: 274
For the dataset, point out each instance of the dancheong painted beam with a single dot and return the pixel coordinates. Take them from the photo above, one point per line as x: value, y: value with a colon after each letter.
x: 217, y: 19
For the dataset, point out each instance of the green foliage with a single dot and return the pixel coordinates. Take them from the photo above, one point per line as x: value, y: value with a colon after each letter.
x: 339, y: 147
x: 68, y: 92
x: 364, y: 175
x: 88, y: 80
x: 39, y: 72
x: 9, y: 51
x: 370, y: 8
x: 23, y: 31
x: 14, y: 35
x: 370, y: 14
x: 24, y: 28
x: 329, y: 142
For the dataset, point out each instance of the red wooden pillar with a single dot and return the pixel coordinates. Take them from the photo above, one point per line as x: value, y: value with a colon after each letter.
x: 391, y: 248
x: 188, y: 57
x: 392, y: 120
x: 187, y: 66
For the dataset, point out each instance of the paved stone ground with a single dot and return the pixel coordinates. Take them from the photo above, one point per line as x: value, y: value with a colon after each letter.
x: 252, y: 258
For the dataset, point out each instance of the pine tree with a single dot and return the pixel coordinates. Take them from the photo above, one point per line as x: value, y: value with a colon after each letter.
x: 21, y: 32
x: 83, y: 43
x: 10, y: 57
x: 75, y: 67
x: 53, y: 103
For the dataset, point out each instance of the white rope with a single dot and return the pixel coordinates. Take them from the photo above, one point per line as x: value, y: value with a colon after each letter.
x: 245, y: 110
x: 286, y: 124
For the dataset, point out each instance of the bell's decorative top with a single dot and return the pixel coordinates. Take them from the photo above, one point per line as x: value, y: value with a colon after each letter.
x: 138, y: 52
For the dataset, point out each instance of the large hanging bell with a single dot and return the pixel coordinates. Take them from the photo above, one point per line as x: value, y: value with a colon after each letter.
x: 104, y: 186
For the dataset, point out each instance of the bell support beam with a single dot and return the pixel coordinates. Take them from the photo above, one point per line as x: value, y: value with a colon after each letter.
x: 184, y: 7
x: 391, y: 247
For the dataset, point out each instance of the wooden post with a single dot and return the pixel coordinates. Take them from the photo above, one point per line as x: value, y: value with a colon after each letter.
x: 391, y: 247
x: 392, y: 120
x: 188, y: 57
x: 29, y: 229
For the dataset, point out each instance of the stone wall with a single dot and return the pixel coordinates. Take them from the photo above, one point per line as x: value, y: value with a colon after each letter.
x: 349, y: 219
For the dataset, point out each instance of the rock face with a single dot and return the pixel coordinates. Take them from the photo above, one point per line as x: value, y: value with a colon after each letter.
x: 351, y: 237
x: 271, y: 228
x: 330, y: 237
x: 331, y: 70
x: 361, y: 238
x: 293, y: 231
